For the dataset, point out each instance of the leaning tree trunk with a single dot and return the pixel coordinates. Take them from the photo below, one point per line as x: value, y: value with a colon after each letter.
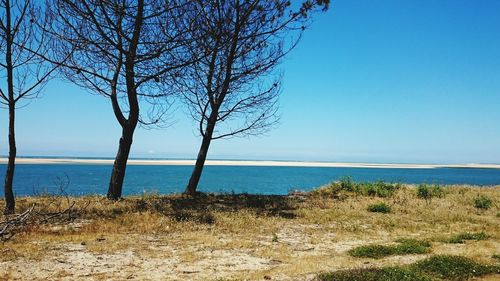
x: 202, y: 156
x: 120, y: 164
x: 10, y: 202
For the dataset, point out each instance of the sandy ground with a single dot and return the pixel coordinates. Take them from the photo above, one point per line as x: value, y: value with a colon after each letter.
x: 248, y: 163
x: 165, y: 259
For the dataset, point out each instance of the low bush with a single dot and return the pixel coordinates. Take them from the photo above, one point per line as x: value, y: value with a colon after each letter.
x: 426, y: 191
x: 482, y: 202
x: 379, y: 208
x: 442, y: 267
x: 461, y: 238
x: 375, y: 274
x: 347, y: 185
x: 378, y: 188
x: 404, y: 247
x: 454, y: 267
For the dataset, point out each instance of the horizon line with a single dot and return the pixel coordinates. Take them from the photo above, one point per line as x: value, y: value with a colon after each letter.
x: 238, y: 162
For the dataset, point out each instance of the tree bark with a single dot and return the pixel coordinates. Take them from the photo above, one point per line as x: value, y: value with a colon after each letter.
x: 9, y: 176
x: 129, y: 125
x: 202, y: 156
x: 120, y: 164
x: 10, y: 202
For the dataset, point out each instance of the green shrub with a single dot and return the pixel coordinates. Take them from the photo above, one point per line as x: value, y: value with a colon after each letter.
x: 274, y: 239
x: 426, y: 191
x: 404, y: 247
x: 460, y: 238
x: 482, y: 202
x: 379, y: 208
x: 375, y: 274
x: 378, y: 188
x: 412, y: 246
x: 346, y: 185
x: 454, y: 267
x: 442, y: 267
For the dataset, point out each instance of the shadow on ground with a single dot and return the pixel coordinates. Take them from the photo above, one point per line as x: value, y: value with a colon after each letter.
x: 199, y: 207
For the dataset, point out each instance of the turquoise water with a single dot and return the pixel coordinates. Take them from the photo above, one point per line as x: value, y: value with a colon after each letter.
x: 93, y: 179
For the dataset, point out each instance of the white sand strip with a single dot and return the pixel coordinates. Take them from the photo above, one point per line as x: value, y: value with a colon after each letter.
x: 246, y: 163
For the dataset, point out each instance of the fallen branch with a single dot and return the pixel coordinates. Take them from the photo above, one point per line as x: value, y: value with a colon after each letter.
x: 9, y: 227
x: 32, y: 217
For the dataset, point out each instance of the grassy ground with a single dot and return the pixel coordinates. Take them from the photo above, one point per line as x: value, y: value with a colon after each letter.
x: 328, y: 234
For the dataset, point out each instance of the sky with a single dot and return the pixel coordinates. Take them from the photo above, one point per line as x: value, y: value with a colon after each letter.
x: 371, y: 81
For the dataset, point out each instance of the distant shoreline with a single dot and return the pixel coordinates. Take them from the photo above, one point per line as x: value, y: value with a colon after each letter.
x: 265, y: 163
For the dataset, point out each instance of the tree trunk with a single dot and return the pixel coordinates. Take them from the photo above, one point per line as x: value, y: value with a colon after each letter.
x: 202, y: 156
x: 120, y: 164
x: 10, y: 202
x: 9, y: 177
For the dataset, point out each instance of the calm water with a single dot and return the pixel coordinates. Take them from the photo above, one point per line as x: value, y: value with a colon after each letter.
x: 93, y: 179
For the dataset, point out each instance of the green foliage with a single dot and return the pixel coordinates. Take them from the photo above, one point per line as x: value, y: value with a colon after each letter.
x: 347, y: 185
x: 442, y: 267
x: 404, y: 247
x: 375, y: 274
x: 379, y: 188
x: 379, y: 208
x: 426, y: 191
x: 460, y: 238
x: 482, y: 202
x: 275, y: 238
x: 412, y: 246
x: 454, y: 267
x: 496, y: 256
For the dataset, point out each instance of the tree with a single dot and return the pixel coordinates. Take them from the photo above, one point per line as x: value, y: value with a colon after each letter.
x: 124, y: 50
x: 232, y: 89
x: 25, y: 73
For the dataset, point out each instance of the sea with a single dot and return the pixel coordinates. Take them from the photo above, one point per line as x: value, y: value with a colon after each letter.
x: 88, y: 179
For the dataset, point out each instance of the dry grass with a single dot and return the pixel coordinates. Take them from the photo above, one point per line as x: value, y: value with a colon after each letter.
x: 243, y: 237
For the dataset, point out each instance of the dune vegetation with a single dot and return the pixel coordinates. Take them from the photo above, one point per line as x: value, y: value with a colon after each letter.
x: 330, y: 233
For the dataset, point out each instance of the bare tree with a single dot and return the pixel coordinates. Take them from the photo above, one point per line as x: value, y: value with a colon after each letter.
x: 232, y: 89
x: 25, y: 73
x: 123, y: 50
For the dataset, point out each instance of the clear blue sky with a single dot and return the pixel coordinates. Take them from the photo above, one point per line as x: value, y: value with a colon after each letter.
x: 377, y: 81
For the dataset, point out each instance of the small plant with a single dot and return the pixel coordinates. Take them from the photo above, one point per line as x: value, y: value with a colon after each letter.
x: 404, y: 247
x: 379, y: 208
x: 482, y: 202
x: 427, y: 192
x: 461, y: 238
x: 275, y: 238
